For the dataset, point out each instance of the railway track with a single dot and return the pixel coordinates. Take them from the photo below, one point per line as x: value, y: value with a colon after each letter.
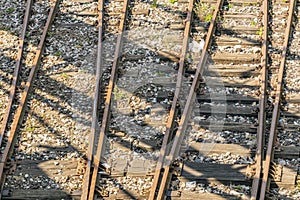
x: 142, y: 105
x: 196, y: 169
x: 182, y: 105
x: 166, y: 176
x: 13, y: 117
x: 47, y: 141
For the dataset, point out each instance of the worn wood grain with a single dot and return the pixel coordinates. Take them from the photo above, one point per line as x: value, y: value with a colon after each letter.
x: 30, y: 194
x: 237, y: 149
x: 226, y: 173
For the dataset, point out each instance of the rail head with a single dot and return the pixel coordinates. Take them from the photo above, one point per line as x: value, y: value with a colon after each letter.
x: 262, y: 104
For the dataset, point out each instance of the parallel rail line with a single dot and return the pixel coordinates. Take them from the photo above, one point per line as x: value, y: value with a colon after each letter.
x: 19, y: 113
x: 106, y: 115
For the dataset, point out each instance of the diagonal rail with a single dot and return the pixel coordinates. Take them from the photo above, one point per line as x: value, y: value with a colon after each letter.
x: 173, y: 111
x: 187, y: 109
x: 273, y: 132
x: 14, y: 83
x: 25, y: 94
x: 106, y: 114
x: 262, y: 104
x: 90, y: 152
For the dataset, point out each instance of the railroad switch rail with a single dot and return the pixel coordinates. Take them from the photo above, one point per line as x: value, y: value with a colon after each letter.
x: 173, y: 112
x: 90, y: 185
x: 166, y: 177
x: 19, y: 113
x: 94, y: 126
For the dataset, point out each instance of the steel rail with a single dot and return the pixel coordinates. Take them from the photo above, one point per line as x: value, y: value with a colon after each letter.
x: 94, y: 127
x: 14, y: 83
x: 187, y: 109
x: 17, y: 121
x: 262, y: 105
x: 265, y: 185
x: 106, y: 114
x: 172, y: 114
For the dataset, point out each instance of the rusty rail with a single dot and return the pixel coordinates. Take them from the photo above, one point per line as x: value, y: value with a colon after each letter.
x: 13, y: 86
x: 273, y: 132
x: 106, y: 114
x: 25, y: 94
x: 187, y: 109
x: 173, y: 111
x: 94, y: 127
x: 262, y: 104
